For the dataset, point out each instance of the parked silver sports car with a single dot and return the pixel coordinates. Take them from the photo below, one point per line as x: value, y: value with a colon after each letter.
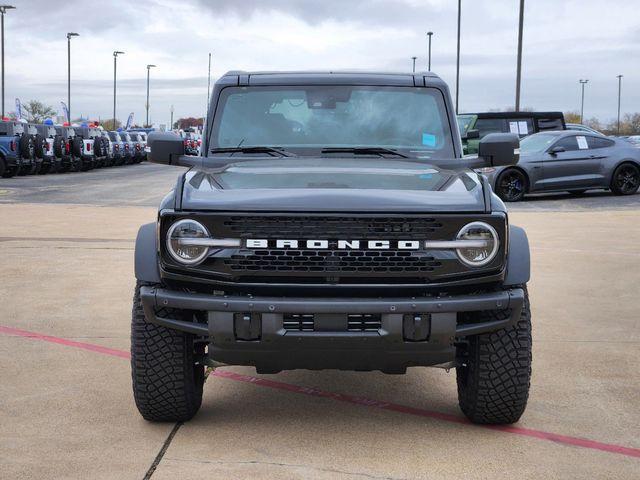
x: 566, y: 160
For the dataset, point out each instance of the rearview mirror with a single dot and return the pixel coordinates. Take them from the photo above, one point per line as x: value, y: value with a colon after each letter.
x: 556, y: 150
x: 472, y: 134
x: 499, y: 149
x: 165, y: 148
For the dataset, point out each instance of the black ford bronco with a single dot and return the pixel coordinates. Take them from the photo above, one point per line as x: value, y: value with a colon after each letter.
x: 331, y: 222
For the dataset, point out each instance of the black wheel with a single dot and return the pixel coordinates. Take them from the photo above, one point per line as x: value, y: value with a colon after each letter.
x: 494, y: 378
x: 511, y: 185
x: 626, y: 179
x: 167, y: 381
x: 26, y: 151
x: 77, y: 162
x: 58, y: 146
x: 39, y: 142
x: 45, y: 167
x: 3, y: 167
x: 9, y: 172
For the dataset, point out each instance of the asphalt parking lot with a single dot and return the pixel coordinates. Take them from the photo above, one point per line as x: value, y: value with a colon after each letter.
x: 66, y: 409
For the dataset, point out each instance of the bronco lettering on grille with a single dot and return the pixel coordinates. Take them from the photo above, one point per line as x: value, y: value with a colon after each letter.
x: 335, y: 244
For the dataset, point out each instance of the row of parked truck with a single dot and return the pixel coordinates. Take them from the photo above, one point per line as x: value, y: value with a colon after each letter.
x: 27, y: 148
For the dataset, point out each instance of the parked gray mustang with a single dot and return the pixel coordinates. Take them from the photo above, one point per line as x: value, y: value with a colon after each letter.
x: 568, y: 161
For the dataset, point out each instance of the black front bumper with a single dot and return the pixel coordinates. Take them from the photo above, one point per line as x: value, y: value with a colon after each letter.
x: 274, y: 348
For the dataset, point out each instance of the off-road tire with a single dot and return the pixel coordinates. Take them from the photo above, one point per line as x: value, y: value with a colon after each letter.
x: 167, y: 384
x: 493, y: 382
x: 38, y: 140
x: 58, y: 146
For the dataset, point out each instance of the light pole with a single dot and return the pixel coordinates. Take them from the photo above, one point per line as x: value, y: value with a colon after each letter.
x: 171, y: 127
x: 69, y: 35
x: 115, y: 61
x: 429, y: 34
x: 149, y: 67
x: 619, y: 94
x: 208, y: 83
x: 519, y: 67
x: 458, y: 57
x: 414, y: 64
x: 3, y: 10
x: 582, y: 83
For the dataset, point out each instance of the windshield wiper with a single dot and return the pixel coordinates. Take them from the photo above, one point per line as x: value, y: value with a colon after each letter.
x: 273, y: 151
x: 365, y: 151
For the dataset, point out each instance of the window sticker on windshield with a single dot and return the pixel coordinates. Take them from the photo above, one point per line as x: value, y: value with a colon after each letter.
x: 582, y: 142
x: 523, y: 128
x: 429, y: 139
x: 513, y: 127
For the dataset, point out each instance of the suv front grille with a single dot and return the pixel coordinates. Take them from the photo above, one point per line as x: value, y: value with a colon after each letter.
x: 333, y: 261
x: 298, y: 322
x: 332, y: 265
x: 309, y: 227
x: 356, y: 322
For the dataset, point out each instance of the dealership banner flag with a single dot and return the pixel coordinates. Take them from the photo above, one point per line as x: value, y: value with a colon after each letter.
x: 18, y: 110
x: 65, y: 110
x: 129, y: 121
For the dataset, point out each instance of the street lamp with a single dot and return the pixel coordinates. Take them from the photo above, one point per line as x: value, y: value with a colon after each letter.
x: 115, y: 58
x: 414, y: 64
x: 429, y: 34
x: 69, y: 35
x: 519, y: 67
x: 3, y: 10
x: 582, y: 83
x: 458, y: 57
x: 149, y: 67
x: 171, y: 127
x: 619, y: 94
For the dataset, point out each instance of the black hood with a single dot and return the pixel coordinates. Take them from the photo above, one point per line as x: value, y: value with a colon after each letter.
x: 333, y: 184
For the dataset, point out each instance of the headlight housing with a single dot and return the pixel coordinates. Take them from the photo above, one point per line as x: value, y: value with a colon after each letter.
x: 187, y: 253
x: 483, y: 244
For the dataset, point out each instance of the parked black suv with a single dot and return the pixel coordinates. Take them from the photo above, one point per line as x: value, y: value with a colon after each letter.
x: 331, y: 223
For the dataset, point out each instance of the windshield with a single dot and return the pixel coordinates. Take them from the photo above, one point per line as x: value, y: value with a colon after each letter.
x: 537, y: 142
x: 125, y: 137
x: 464, y: 122
x: 307, y: 119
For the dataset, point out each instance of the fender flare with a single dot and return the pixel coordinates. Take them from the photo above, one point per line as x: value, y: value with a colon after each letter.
x: 518, y: 257
x: 146, y: 254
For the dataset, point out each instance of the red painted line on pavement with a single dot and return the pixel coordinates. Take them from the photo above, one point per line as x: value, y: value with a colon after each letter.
x: 340, y: 397
x: 63, y: 341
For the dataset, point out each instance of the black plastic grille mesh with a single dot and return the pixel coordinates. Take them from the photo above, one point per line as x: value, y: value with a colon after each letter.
x: 333, y: 261
x: 310, y: 227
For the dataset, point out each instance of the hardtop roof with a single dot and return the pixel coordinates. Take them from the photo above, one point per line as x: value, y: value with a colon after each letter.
x: 335, y: 77
x: 516, y: 114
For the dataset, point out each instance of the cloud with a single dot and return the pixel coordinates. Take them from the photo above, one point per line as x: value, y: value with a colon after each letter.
x: 563, y: 41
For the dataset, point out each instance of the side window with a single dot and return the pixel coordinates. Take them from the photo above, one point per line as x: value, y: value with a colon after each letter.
x: 597, y: 142
x: 486, y: 126
x: 569, y: 144
x: 521, y: 126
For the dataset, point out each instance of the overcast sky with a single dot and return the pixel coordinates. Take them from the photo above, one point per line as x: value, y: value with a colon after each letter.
x: 564, y: 40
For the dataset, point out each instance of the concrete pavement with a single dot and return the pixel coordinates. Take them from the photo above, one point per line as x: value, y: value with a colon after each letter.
x: 67, y: 412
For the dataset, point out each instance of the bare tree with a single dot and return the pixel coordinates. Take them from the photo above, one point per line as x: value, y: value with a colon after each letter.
x: 37, y: 112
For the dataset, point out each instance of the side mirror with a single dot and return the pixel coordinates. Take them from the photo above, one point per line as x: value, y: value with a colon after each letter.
x: 499, y: 149
x: 556, y: 150
x: 472, y: 134
x: 165, y: 148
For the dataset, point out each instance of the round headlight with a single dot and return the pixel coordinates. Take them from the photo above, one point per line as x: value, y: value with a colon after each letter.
x: 178, y: 243
x: 483, y: 244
